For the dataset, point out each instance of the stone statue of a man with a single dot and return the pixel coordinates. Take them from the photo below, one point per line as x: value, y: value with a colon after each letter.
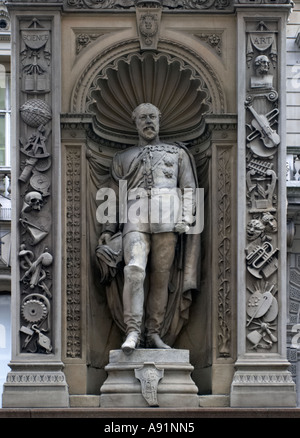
x: 155, y: 174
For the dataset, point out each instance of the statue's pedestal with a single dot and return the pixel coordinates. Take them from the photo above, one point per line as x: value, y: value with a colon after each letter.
x: 149, y: 377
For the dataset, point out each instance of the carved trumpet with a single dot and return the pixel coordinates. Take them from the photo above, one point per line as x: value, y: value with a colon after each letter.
x: 261, y: 261
x: 261, y: 255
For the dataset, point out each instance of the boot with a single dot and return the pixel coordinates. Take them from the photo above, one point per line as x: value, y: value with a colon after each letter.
x: 156, y: 308
x: 154, y: 341
x: 130, y: 343
x: 133, y: 304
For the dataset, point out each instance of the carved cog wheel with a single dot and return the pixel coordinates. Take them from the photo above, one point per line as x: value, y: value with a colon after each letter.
x: 34, y: 311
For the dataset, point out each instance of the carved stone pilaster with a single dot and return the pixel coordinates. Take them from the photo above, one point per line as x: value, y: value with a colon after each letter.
x: 224, y: 172
x: 222, y: 130
x: 36, y: 378
x: 262, y: 377
x: 73, y: 247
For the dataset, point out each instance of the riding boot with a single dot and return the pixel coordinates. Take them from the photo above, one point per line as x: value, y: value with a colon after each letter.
x: 156, y: 308
x: 133, y: 304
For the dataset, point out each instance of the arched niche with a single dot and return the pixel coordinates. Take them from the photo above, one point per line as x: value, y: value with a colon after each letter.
x: 175, y: 78
x: 188, y: 91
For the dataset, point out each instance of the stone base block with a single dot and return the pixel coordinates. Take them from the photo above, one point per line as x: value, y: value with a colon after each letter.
x: 262, y: 389
x: 214, y: 401
x: 35, y: 386
x: 149, y: 377
x: 84, y: 401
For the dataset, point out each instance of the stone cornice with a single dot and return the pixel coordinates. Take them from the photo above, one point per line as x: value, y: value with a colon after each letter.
x: 33, y: 4
x: 170, y: 6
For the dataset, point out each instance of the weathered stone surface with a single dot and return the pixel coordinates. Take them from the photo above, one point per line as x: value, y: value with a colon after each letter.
x: 102, y: 49
x: 123, y: 389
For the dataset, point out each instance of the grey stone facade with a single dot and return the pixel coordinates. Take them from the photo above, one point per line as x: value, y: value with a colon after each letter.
x: 79, y: 68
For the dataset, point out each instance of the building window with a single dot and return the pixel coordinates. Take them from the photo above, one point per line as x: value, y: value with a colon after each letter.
x: 4, y: 24
x: 5, y: 338
x: 4, y: 245
x: 4, y: 114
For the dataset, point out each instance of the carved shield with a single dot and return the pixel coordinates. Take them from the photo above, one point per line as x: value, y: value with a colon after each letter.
x: 36, y: 39
x: 262, y: 40
x: 149, y: 376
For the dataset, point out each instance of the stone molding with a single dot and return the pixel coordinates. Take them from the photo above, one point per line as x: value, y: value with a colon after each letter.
x: 181, y: 6
x: 211, y: 6
x: 206, y: 5
x: 45, y: 378
x: 262, y: 378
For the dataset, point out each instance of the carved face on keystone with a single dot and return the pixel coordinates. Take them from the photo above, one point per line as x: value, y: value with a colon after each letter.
x: 34, y: 200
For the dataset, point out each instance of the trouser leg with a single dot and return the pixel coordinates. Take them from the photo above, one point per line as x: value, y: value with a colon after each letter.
x: 136, y: 249
x: 162, y: 257
x: 133, y: 298
x: 157, y: 301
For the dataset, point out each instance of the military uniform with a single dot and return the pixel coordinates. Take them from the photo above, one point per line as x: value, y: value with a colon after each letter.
x: 155, y: 177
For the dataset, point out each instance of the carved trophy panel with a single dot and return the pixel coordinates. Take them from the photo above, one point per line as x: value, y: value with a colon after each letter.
x: 262, y: 142
x: 35, y: 218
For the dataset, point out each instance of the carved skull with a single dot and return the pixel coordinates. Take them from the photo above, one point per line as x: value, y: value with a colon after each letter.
x: 34, y: 201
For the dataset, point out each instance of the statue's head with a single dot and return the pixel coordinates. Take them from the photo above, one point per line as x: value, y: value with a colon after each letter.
x: 147, y: 117
x: 262, y: 64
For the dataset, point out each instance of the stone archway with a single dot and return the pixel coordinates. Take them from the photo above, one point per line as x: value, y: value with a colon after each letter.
x: 193, y: 106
